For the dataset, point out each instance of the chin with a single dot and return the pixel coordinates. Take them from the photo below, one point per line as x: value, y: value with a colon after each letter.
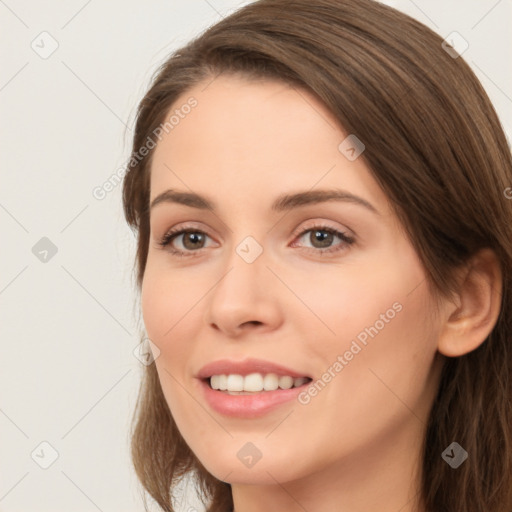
x: 260, y: 473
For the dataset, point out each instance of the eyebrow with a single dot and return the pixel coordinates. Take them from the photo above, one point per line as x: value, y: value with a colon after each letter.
x: 282, y: 203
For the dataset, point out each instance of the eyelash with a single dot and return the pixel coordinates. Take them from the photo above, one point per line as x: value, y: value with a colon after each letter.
x: 166, y: 240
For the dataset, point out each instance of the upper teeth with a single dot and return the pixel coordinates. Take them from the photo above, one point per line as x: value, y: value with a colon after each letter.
x: 255, y: 382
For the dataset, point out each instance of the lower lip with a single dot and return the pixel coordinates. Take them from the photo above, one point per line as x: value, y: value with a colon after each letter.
x: 248, y: 406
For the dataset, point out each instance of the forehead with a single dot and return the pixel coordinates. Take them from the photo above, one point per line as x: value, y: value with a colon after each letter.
x: 233, y: 113
x: 253, y: 139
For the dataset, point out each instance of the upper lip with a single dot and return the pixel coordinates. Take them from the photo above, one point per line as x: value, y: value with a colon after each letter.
x: 245, y: 367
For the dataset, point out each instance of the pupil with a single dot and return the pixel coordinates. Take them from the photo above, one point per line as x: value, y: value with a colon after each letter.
x: 192, y: 237
x: 323, y: 237
x: 319, y: 236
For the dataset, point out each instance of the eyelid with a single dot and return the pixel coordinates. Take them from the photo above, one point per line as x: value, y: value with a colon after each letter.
x: 344, y: 234
x: 185, y: 226
x: 179, y: 230
x: 305, y: 226
x: 315, y: 223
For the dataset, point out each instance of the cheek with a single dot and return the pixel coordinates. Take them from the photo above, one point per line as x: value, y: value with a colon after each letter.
x: 387, y: 345
x: 380, y: 325
x: 167, y: 314
x: 172, y: 317
x: 155, y: 306
x: 166, y: 299
x: 351, y: 303
x: 379, y: 387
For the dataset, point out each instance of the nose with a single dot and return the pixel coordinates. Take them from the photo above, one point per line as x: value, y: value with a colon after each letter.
x: 246, y: 297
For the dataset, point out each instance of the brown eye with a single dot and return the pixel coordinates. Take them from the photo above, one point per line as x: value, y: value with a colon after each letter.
x: 322, y: 240
x: 193, y: 240
x: 323, y: 237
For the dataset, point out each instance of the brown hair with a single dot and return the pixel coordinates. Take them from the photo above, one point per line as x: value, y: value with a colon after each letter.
x: 436, y: 147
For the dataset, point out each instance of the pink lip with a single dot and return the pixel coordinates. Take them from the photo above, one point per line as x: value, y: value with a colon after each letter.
x: 245, y: 367
x: 247, y: 406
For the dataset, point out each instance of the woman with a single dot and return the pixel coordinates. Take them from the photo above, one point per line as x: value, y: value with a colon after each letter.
x: 319, y: 191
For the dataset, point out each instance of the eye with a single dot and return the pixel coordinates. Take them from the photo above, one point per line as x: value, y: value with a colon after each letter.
x: 322, y: 237
x: 192, y: 240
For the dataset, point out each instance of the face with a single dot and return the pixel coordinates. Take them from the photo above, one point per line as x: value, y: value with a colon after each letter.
x: 331, y: 289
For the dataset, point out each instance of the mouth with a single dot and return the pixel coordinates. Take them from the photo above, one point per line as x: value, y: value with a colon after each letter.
x: 255, y: 383
x: 253, y: 401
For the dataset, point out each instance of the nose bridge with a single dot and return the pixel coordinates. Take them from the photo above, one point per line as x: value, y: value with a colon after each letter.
x: 241, y: 294
x: 245, y: 266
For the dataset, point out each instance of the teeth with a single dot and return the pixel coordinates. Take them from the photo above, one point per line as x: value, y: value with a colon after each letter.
x: 254, y: 382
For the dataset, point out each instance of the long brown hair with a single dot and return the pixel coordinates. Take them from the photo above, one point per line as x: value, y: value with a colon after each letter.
x: 436, y: 147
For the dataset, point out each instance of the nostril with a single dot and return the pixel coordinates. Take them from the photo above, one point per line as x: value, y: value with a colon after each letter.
x: 253, y: 322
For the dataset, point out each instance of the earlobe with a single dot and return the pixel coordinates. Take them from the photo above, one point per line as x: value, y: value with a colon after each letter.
x: 470, y: 320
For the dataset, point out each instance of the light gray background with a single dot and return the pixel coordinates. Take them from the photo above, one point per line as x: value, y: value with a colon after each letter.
x: 68, y: 375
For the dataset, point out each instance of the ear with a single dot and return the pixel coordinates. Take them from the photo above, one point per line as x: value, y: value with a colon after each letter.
x: 472, y: 317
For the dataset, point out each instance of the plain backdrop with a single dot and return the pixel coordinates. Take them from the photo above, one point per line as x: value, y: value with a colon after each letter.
x: 69, y: 313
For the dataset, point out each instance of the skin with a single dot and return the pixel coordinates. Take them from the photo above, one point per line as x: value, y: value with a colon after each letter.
x: 356, y: 445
